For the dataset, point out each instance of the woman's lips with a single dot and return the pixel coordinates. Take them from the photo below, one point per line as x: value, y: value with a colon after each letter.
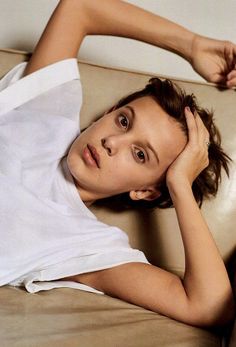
x: 91, y: 156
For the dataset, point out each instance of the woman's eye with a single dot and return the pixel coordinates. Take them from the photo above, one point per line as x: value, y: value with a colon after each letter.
x: 140, y: 155
x: 124, y: 121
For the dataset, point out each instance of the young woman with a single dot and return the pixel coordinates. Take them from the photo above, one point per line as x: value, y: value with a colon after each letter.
x: 50, y: 175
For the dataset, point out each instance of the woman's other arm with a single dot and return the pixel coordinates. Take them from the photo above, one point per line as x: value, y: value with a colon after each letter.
x: 72, y: 20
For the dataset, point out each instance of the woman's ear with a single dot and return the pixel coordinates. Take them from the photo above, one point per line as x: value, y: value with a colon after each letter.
x: 148, y: 194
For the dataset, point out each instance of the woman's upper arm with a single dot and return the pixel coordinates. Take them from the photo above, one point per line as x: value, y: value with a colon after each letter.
x: 144, y: 285
x: 155, y: 289
x: 62, y: 36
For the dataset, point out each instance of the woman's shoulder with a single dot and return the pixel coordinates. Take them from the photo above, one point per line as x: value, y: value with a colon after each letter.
x: 53, y: 84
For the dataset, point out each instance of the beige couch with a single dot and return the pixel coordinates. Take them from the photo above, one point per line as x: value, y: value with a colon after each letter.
x: 70, y: 317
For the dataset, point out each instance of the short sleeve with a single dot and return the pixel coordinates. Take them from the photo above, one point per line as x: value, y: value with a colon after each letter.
x: 48, y: 278
x: 39, y: 117
x: 55, y: 89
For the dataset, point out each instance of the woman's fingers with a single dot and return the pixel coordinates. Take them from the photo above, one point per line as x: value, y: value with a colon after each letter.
x: 203, y: 142
x: 192, y: 126
x: 231, y: 76
x: 231, y: 79
x: 203, y: 134
x: 230, y: 55
x: 198, y: 133
x: 198, y: 139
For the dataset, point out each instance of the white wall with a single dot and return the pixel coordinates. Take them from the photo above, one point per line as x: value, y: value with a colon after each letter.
x: 22, y: 22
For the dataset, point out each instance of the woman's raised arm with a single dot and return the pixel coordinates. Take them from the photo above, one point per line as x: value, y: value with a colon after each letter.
x: 72, y: 20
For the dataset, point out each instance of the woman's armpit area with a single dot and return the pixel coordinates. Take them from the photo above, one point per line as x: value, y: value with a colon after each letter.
x: 118, y: 281
x: 90, y: 279
x: 101, y: 279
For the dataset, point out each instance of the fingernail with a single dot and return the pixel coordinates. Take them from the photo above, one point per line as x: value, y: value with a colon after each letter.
x: 187, y: 108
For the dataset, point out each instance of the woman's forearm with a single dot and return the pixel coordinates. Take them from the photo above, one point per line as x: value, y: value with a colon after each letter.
x: 205, y: 278
x: 73, y: 20
x: 118, y: 18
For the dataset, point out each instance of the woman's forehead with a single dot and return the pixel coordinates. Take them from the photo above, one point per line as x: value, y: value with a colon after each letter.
x: 147, y: 113
x: 153, y: 124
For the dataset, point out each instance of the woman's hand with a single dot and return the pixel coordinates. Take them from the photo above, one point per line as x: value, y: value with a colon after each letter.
x: 194, y: 158
x: 214, y: 60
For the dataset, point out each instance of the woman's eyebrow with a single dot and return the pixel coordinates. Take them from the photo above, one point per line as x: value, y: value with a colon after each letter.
x: 133, y: 113
x: 154, y: 152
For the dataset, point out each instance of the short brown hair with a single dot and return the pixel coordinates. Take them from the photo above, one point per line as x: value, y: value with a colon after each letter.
x: 173, y: 100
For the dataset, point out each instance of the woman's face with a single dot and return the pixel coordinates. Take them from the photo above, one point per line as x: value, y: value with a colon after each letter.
x: 127, y: 150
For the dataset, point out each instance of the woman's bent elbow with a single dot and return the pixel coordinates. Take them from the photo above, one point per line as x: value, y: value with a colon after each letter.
x: 220, y: 313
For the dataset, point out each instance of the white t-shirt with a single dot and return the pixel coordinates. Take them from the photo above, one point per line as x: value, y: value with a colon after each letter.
x: 47, y: 232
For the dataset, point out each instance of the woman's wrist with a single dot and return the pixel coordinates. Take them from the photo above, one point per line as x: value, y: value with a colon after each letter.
x: 196, y: 40
x: 191, y: 48
x: 179, y: 189
x: 181, y: 43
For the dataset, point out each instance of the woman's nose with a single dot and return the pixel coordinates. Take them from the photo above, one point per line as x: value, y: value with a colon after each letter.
x: 111, y: 144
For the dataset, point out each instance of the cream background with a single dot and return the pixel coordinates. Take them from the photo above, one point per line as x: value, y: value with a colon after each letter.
x: 22, y: 22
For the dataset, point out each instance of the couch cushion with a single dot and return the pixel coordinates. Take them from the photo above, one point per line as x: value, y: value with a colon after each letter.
x: 69, y: 317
